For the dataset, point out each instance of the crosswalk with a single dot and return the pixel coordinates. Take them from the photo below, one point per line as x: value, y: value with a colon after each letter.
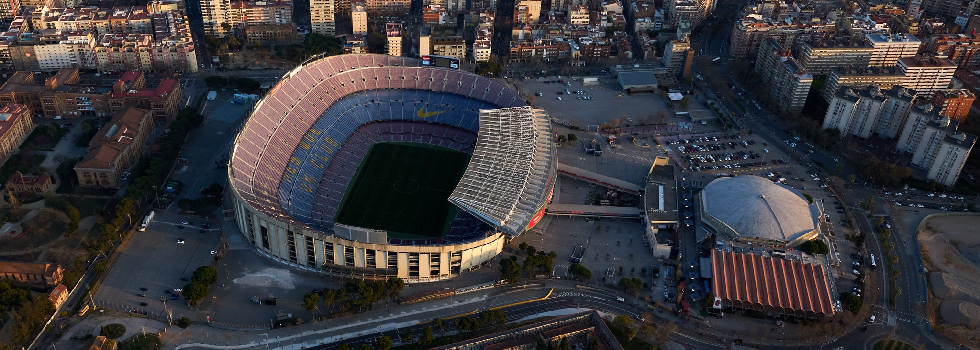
x: 574, y: 294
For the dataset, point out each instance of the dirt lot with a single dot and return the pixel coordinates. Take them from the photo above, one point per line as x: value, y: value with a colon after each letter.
x: 951, y: 250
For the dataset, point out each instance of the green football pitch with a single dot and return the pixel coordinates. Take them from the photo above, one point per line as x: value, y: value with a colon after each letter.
x: 402, y: 188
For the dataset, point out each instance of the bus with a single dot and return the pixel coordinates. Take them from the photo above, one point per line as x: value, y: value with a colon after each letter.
x: 146, y: 221
x: 873, y: 264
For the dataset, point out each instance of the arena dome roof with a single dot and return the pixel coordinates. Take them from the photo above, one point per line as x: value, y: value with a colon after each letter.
x: 755, y: 207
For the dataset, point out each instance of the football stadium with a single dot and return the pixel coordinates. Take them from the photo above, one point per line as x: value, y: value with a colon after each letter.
x: 373, y: 166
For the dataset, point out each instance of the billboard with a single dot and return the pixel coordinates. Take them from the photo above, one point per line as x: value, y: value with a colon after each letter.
x: 440, y: 61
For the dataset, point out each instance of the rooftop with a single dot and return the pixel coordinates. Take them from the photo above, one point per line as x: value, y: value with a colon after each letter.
x: 877, y: 39
x: 755, y: 207
x: 754, y: 281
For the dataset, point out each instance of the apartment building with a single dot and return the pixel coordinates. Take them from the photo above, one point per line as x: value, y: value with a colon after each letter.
x: 243, y: 14
x: 942, y: 151
x: 883, y: 77
x: 961, y: 49
x: 954, y: 104
x: 451, y: 46
x: 788, y: 82
x: 8, y: 10
x: 354, y: 43
x: 16, y: 123
x: 868, y: 111
x: 215, y: 13
x: 123, y: 52
x: 821, y: 57
x: 62, y: 96
x: 539, y: 51
x: 322, y: 17
x: 678, y: 57
x: 927, y: 74
x: 267, y: 34
x: 888, y: 48
x: 481, y: 50
x: 915, y: 123
x: 425, y: 40
x: 751, y: 31
x: 578, y: 16
x: 393, y: 46
x: 594, y: 49
x: 387, y: 7
x: 358, y: 15
x: 114, y: 149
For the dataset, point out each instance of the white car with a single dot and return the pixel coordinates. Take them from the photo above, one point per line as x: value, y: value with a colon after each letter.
x: 213, y: 252
x: 856, y: 272
x: 180, y: 241
x: 184, y: 223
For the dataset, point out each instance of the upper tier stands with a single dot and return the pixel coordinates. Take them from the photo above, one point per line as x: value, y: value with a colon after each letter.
x: 284, y: 150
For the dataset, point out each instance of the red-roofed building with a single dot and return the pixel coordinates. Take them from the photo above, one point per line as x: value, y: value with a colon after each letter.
x: 15, y: 125
x: 114, y: 149
x: 58, y: 295
x: 29, y: 183
x: 955, y: 103
x: 773, y: 286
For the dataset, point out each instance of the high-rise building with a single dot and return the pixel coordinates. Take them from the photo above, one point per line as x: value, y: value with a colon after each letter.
x: 242, y: 14
x: 941, y: 150
x: 954, y: 104
x: 425, y: 40
x: 868, y: 111
x: 8, y: 10
x: 578, y: 16
x: 322, y: 20
x: 788, y: 82
x: 943, y: 8
x: 387, y: 7
x: 215, y: 14
x: 358, y: 15
x: 927, y: 74
x: 821, y: 57
x: 889, y: 48
x: 915, y: 123
x: 394, y: 43
x: 677, y: 55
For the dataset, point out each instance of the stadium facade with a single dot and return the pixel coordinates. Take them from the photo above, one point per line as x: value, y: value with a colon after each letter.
x: 297, y: 153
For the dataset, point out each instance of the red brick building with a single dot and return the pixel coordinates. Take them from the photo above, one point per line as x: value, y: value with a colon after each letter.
x: 961, y: 49
x: 955, y: 103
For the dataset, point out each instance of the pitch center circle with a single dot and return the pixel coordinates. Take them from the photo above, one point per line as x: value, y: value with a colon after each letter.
x: 406, y: 186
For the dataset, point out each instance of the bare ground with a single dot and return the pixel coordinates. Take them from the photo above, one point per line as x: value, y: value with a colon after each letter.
x: 951, y: 251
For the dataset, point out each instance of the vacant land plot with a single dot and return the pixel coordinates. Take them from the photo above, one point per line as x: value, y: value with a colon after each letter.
x: 403, y: 188
x: 39, y: 230
x: 951, y: 251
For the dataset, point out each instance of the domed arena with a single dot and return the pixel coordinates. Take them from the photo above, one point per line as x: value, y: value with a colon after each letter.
x: 754, y: 209
x: 373, y: 166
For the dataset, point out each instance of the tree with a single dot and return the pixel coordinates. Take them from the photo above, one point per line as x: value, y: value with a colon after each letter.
x: 572, y: 137
x: 426, y: 338
x: 73, y: 217
x: 205, y: 275
x: 408, y: 336
x: 624, y: 324
x: 215, y: 82
x: 580, y: 270
x: 439, y: 323
x: 363, y: 347
x: 851, y: 302
x: 489, y: 69
x: 183, y: 322
x: 685, y: 102
x: 510, y: 271
x: 226, y: 26
x: 194, y: 292
x: 343, y: 346
x: 315, y: 44
x: 630, y: 285
x: 310, y: 300
x: 563, y: 345
x: 383, y: 343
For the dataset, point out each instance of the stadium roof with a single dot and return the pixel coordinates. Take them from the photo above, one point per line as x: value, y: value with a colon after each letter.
x: 755, y: 207
x: 767, y: 284
x: 507, y: 180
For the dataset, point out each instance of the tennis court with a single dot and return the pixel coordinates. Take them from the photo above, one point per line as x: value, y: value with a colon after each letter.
x: 403, y: 188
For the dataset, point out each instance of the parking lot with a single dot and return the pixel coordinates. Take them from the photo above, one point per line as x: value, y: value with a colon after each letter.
x: 155, y: 261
